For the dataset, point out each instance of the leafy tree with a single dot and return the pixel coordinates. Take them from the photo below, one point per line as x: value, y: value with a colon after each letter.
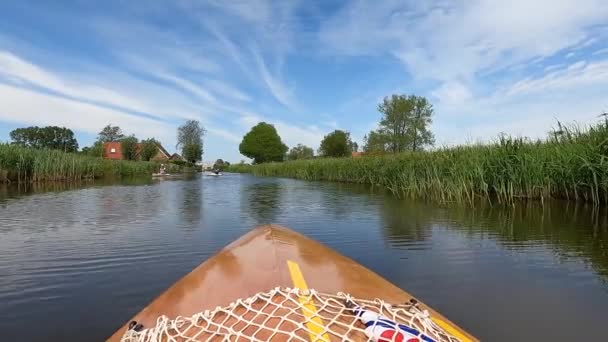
x: 220, y: 165
x: 128, y: 146
x: 263, y: 144
x: 190, y: 139
x: 419, y: 132
x: 375, y: 141
x: 52, y: 137
x: 149, y: 149
x: 300, y: 152
x: 405, y: 121
x: 354, y: 147
x: 110, y: 133
x: 336, y: 144
x: 95, y: 150
x: 192, y: 152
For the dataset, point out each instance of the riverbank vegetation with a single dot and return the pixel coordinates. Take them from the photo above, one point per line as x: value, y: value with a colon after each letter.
x: 572, y: 163
x: 22, y: 164
x: 50, y: 154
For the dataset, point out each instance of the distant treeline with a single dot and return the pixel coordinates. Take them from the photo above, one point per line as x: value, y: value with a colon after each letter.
x: 572, y: 163
x: 404, y: 126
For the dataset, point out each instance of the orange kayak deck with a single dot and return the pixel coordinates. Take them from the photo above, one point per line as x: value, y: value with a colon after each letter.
x: 259, y: 261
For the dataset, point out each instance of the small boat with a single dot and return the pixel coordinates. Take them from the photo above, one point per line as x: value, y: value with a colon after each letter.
x: 161, y: 175
x: 276, y: 284
x: 213, y: 174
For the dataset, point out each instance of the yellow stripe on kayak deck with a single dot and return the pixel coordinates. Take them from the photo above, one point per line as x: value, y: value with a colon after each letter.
x: 451, y: 330
x: 314, y: 323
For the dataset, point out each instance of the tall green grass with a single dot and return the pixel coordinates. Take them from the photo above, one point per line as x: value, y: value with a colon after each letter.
x: 572, y: 164
x: 20, y: 164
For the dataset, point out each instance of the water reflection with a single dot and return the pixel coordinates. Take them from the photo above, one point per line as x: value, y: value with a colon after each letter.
x: 262, y: 201
x: 230, y: 266
x: 571, y: 230
x: 11, y: 190
x: 405, y: 223
x: 113, y: 248
x: 191, y: 199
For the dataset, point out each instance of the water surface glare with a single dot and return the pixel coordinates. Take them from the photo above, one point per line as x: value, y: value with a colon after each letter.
x: 77, y: 264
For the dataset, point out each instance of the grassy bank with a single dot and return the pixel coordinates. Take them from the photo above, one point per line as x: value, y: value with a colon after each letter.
x: 19, y: 164
x: 572, y: 164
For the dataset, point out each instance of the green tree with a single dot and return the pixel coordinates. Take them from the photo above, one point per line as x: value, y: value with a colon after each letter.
x: 405, y: 122
x: 149, y: 148
x: 95, y: 150
x: 128, y: 146
x: 192, y: 153
x: 220, y: 165
x: 263, y: 144
x: 336, y: 144
x: 300, y: 152
x: 110, y: 133
x: 375, y: 141
x: 52, y: 137
x: 419, y: 132
x: 190, y: 139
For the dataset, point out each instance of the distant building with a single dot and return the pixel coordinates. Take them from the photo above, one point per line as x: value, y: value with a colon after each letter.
x: 176, y: 156
x: 113, y: 150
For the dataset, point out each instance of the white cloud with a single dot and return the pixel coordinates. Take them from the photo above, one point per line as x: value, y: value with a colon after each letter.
x: 226, y: 90
x: 23, y: 71
x: 230, y: 136
x: 579, y: 74
x: 600, y: 52
x: 450, y: 39
x: 529, y: 107
x: 476, y: 52
x: 103, y: 87
x: 30, y: 107
x: 452, y: 93
x: 553, y: 67
x: 280, y: 91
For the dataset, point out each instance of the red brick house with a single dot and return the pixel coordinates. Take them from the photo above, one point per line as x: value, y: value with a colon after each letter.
x: 113, y: 150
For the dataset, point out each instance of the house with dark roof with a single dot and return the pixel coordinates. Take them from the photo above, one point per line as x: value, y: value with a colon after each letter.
x: 176, y: 156
x: 113, y: 150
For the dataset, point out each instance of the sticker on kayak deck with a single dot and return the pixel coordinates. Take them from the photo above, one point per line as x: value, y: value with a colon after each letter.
x: 381, y: 329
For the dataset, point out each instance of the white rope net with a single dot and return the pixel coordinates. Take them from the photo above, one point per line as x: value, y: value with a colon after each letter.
x: 285, y: 314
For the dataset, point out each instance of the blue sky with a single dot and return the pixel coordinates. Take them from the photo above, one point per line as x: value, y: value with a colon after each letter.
x: 308, y: 67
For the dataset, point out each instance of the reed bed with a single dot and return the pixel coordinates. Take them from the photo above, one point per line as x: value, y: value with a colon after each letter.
x: 571, y: 164
x: 20, y: 164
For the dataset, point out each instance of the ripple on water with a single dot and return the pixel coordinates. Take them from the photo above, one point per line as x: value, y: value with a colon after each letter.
x: 99, y: 254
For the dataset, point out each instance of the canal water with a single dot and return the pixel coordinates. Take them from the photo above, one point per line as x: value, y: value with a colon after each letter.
x: 77, y: 262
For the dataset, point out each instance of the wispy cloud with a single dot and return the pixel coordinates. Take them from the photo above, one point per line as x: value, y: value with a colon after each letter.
x: 306, y: 67
x: 223, y: 133
x: 600, y: 52
x: 452, y: 39
x: 279, y: 90
x: 461, y: 51
x: 20, y: 70
x: 31, y: 107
